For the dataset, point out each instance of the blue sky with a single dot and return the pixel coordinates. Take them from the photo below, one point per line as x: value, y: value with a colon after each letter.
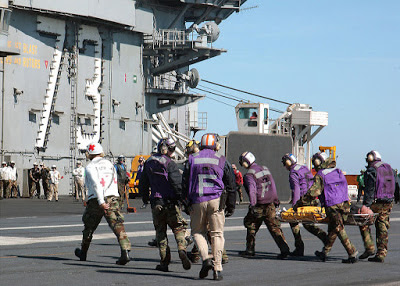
x: 339, y: 56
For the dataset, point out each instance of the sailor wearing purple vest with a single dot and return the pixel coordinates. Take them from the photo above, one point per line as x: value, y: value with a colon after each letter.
x: 330, y: 186
x: 162, y: 175
x: 300, y: 179
x: 260, y: 186
x: 206, y: 175
x: 378, y: 195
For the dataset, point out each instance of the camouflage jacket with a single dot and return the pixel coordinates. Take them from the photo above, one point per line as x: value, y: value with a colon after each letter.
x: 318, y: 186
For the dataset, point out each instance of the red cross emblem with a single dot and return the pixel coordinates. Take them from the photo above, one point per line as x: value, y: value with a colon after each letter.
x: 91, y: 147
x: 102, y: 182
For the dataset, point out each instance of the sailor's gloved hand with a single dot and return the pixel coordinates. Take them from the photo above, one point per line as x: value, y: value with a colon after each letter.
x: 298, y: 205
x: 252, y: 210
x: 229, y: 212
x: 186, y: 207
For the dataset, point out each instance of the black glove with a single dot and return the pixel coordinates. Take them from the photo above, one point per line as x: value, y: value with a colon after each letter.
x: 186, y: 207
x: 222, y: 200
x: 277, y: 203
x: 229, y: 212
x: 297, y: 205
x: 252, y: 210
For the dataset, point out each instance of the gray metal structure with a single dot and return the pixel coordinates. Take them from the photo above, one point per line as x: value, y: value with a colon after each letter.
x: 97, y: 70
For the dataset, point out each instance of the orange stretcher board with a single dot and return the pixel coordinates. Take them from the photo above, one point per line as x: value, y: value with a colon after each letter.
x: 318, y: 215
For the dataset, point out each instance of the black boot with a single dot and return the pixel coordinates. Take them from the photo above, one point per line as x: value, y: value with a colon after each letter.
x: 217, y: 275
x: 162, y: 267
x: 376, y: 259
x: 124, y: 259
x: 366, y: 254
x: 207, y: 266
x: 247, y: 253
x: 350, y: 260
x: 185, y: 259
x: 297, y: 252
x: 81, y: 254
x: 321, y: 255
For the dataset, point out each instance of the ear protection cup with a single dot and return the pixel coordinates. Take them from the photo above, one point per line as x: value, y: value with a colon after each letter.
x: 217, y: 146
x: 164, y: 150
x: 287, y: 163
x: 317, y: 162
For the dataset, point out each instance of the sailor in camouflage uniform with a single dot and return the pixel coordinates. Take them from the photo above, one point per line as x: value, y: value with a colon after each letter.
x: 101, y: 181
x: 260, y: 186
x: 301, y: 179
x: 330, y: 186
x: 378, y: 195
x: 162, y: 175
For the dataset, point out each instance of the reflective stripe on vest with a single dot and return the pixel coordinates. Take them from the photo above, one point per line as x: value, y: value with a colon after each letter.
x: 327, y: 171
x: 297, y: 167
x: 260, y: 174
x: 162, y: 160
x: 377, y: 165
x: 211, y: 161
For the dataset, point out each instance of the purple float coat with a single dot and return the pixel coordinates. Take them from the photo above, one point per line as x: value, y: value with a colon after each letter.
x: 160, y: 186
x: 205, y: 177
x: 300, y: 179
x: 260, y: 185
x: 335, y: 187
x: 385, y: 184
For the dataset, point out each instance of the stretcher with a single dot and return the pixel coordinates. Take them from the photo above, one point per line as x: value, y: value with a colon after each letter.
x: 311, y: 214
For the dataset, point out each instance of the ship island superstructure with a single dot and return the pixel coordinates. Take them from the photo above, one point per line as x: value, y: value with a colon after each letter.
x: 75, y: 72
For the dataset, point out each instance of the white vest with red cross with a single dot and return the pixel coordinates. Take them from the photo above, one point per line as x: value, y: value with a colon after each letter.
x: 101, y: 179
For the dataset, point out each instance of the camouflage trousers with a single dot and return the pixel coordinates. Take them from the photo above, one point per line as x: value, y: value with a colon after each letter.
x: 382, y: 225
x: 34, y: 186
x: 168, y: 215
x: 6, y: 189
x: 337, y: 214
x: 121, y: 191
x: 14, y: 188
x: 92, y: 217
x: 264, y: 213
x: 311, y: 228
x: 46, y: 187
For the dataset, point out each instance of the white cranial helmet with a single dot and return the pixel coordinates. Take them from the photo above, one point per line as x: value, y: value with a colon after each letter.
x: 94, y: 148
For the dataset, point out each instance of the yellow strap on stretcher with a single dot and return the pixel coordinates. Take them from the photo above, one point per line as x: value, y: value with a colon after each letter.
x: 309, y: 213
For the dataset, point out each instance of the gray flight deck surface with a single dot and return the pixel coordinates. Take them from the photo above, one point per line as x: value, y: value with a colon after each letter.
x: 38, y: 238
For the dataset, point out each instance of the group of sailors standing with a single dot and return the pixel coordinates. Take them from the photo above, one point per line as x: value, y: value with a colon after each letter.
x: 206, y: 191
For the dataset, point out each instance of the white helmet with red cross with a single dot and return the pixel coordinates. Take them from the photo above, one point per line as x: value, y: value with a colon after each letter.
x: 94, y: 148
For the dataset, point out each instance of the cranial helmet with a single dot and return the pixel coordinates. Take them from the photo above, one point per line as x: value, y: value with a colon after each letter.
x: 192, y: 147
x: 165, y: 145
x: 210, y: 141
x: 94, y: 148
x: 373, y: 156
x: 319, y: 158
x: 247, y: 159
x: 289, y: 160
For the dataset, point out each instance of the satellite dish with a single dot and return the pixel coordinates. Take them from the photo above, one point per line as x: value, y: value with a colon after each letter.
x: 213, y: 31
x: 194, y: 78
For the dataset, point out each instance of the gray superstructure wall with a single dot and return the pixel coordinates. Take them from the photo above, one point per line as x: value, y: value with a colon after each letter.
x: 268, y: 150
x: 121, y: 80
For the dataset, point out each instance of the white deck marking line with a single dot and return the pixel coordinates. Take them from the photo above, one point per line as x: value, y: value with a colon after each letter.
x: 8, y: 240
x: 81, y: 225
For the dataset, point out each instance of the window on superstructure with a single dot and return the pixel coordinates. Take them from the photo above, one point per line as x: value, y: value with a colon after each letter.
x: 32, y: 117
x: 122, y: 124
x: 5, y: 19
x: 55, y: 119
